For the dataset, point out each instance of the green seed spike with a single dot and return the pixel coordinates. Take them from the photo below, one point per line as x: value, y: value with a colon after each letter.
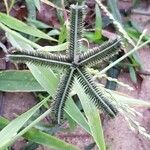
x: 76, y: 26
x: 39, y: 58
x: 63, y: 91
x: 74, y: 65
x: 100, y: 53
x: 98, y: 97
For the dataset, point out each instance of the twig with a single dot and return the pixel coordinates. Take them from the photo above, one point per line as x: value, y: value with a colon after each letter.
x: 53, y: 5
x: 141, y: 12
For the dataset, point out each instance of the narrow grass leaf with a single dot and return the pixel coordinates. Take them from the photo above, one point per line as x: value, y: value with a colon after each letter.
x: 42, y: 138
x: 31, y: 8
x: 47, y: 2
x: 63, y: 34
x: 18, y: 36
x: 18, y: 81
x: 3, y: 122
x: 98, y: 23
x: 133, y: 74
x: 20, y: 43
x: 114, y: 9
x: 73, y: 111
x: 7, y: 138
x: 20, y: 26
x: 50, y: 141
x: 16, y: 42
x: 38, y: 24
x: 45, y: 77
x: 93, y: 117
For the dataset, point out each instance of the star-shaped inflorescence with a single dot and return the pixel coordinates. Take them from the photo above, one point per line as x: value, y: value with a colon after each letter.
x: 74, y: 64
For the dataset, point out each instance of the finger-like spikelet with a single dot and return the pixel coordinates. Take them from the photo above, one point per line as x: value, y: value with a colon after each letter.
x: 40, y: 58
x: 101, y: 53
x: 76, y: 26
x: 98, y: 97
x: 62, y: 93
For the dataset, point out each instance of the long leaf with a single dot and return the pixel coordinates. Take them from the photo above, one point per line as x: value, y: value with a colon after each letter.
x: 18, y: 81
x: 98, y: 23
x: 7, y: 135
x: 93, y: 117
x: 48, y: 140
x: 18, y: 36
x: 18, y: 41
x: 114, y: 9
x: 39, y: 137
x: 20, y: 26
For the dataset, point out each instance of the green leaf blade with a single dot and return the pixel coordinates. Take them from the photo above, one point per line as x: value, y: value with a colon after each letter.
x: 93, y: 117
x: 20, y: 26
x: 114, y: 9
x: 18, y: 81
x: 98, y: 23
x: 42, y: 138
x: 50, y: 141
x: 7, y: 138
